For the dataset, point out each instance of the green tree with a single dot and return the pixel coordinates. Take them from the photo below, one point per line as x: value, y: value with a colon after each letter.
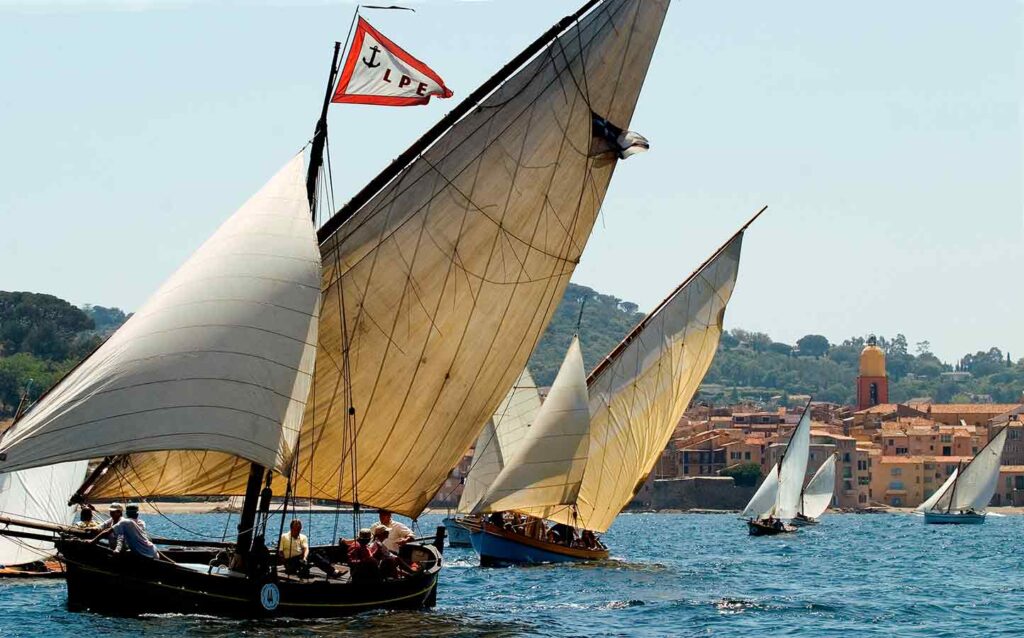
x: 744, y: 474
x: 813, y: 345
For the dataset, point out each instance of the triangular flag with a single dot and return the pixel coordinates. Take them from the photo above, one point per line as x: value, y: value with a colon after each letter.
x: 378, y: 71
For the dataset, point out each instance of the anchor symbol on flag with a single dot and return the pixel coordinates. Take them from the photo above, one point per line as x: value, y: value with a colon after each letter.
x: 373, y: 56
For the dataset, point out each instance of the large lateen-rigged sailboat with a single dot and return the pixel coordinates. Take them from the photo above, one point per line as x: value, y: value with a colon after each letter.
x: 964, y: 497
x: 778, y: 498
x: 429, y: 291
x: 817, y: 495
x: 636, y: 396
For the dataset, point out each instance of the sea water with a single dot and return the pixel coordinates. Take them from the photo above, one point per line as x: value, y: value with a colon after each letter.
x: 671, y: 575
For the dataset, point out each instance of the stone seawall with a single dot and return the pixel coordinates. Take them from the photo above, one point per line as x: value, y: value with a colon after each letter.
x: 699, y: 492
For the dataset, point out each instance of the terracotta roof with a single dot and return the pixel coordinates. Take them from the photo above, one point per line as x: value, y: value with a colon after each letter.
x: 972, y: 408
x: 1012, y: 469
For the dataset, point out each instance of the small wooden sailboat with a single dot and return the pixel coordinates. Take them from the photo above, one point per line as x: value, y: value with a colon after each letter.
x: 39, y: 494
x: 964, y: 497
x: 414, y: 301
x: 635, y: 397
x: 817, y: 495
x: 777, y: 499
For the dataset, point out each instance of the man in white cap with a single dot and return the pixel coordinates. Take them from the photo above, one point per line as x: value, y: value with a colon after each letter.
x: 115, y: 511
x: 130, y: 536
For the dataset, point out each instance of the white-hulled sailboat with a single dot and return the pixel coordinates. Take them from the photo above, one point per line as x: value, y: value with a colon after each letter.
x: 817, y: 495
x: 358, y: 362
x: 635, y: 397
x: 777, y: 500
x: 964, y: 497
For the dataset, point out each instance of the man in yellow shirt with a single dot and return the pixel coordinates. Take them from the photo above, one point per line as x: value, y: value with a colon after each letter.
x: 294, y: 549
x: 294, y: 553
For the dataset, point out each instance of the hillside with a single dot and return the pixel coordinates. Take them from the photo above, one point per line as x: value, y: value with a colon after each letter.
x: 42, y: 336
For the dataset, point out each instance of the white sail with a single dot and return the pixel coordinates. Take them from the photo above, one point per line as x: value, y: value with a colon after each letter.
x: 818, y: 493
x: 38, y: 494
x: 220, y: 358
x: 440, y: 278
x: 977, y: 482
x: 933, y: 500
x: 500, y: 439
x: 762, y: 504
x: 547, y: 469
x: 793, y: 468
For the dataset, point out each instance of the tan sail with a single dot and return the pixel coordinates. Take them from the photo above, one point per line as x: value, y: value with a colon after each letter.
x: 545, y: 472
x: 220, y: 358
x: 441, y: 284
x: 639, y: 393
x: 500, y: 439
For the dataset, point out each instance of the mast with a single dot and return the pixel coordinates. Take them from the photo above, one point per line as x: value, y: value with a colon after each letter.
x: 445, y: 123
x: 952, y: 495
x: 247, y: 521
x: 316, y: 153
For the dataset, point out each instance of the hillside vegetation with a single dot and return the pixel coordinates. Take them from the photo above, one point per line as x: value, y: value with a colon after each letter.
x: 42, y: 337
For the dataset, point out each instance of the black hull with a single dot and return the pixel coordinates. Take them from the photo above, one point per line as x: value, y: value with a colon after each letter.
x: 756, y: 528
x: 127, y: 585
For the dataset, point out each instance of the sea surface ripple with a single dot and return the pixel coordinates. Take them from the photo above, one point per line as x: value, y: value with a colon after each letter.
x: 672, y: 575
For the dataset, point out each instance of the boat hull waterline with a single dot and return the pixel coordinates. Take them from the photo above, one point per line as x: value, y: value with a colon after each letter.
x: 458, y: 535
x: 757, y: 528
x: 498, y: 548
x: 802, y: 521
x: 954, y: 518
x: 127, y: 585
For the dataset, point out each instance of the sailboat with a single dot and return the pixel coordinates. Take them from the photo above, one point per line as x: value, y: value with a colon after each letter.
x: 777, y: 500
x: 964, y: 497
x: 356, y: 364
x: 38, y: 494
x: 635, y: 397
x: 498, y: 441
x: 817, y: 495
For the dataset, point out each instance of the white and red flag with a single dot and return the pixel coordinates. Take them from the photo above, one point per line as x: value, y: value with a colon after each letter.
x: 378, y: 71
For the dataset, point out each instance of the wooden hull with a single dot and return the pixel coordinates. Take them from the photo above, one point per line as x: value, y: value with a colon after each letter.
x: 803, y: 521
x: 458, y: 535
x: 49, y: 569
x: 125, y: 584
x: 497, y: 547
x: 954, y: 518
x: 757, y: 528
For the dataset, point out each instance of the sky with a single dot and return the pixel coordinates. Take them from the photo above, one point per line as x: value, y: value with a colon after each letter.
x: 885, y: 138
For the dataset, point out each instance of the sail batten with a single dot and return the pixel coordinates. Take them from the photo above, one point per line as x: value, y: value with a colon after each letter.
x: 220, y: 358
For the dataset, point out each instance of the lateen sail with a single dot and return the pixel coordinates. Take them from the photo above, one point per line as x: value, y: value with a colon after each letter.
x: 818, y: 493
x: 38, y: 494
x: 441, y: 283
x: 977, y: 483
x: 932, y: 500
x: 500, y: 439
x: 220, y: 358
x: 763, y: 502
x: 793, y: 468
x: 640, y: 391
x: 547, y: 469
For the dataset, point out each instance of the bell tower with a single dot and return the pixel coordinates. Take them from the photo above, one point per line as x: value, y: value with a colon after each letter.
x: 872, y: 383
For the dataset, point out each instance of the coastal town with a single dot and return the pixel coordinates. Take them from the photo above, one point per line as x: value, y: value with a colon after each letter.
x: 888, y: 455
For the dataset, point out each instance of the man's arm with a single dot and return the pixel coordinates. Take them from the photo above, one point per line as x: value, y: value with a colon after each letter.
x: 102, y: 534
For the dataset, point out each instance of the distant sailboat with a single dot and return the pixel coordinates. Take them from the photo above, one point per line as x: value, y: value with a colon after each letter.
x: 778, y: 499
x: 40, y: 494
x: 636, y: 396
x: 817, y: 496
x: 964, y: 497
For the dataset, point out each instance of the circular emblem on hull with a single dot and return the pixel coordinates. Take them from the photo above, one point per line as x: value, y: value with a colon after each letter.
x: 270, y: 596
